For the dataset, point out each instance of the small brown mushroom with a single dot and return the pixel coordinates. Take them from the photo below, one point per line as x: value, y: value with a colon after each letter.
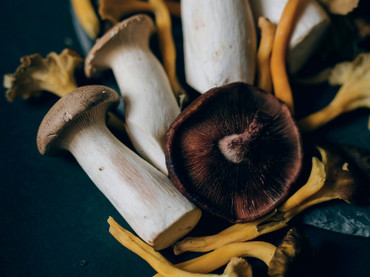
x: 234, y: 151
x: 144, y: 196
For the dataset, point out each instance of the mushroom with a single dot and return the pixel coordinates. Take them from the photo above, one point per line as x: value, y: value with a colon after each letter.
x: 286, y: 259
x: 219, y: 42
x: 87, y: 17
x: 250, y: 230
x: 341, y: 7
x: 329, y: 180
x: 150, y: 105
x: 234, y: 151
x: 145, y: 197
x: 310, y: 28
x: 236, y: 267
x: 54, y: 73
x: 354, y: 93
x: 280, y: 79
x: 267, y: 30
x: 114, y: 10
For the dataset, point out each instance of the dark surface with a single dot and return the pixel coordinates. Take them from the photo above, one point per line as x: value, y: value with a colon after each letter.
x: 53, y: 219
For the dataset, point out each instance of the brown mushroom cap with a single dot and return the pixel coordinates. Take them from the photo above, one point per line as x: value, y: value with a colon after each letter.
x: 68, y: 109
x: 234, y: 151
x: 133, y: 31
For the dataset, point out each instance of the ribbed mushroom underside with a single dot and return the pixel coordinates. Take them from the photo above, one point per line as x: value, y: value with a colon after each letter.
x: 261, y: 129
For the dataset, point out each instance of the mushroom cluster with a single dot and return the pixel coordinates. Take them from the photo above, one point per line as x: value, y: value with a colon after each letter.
x: 235, y: 151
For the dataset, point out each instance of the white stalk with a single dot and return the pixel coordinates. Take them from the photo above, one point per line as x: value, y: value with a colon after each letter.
x: 311, y: 26
x: 150, y: 106
x: 219, y: 42
x: 145, y: 197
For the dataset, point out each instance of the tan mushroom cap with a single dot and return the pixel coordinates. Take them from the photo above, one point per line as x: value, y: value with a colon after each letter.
x: 69, y: 108
x: 133, y: 31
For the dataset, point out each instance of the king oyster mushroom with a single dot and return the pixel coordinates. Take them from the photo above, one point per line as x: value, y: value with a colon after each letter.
x: 234, y: 151
x: 144, y: 196
x: 150, y: 105
x: 220, y: 42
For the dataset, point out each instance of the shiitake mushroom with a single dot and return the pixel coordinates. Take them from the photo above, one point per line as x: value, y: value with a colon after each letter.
x: 234, y: 151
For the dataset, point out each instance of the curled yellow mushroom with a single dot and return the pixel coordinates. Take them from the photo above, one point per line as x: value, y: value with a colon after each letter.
x: 268, y: 30
x: 279, y: 73
x: 87, y: 17
x: 288, y: 256
x: 236, y: 267
x: 54, y: 73
x: 354, y: 93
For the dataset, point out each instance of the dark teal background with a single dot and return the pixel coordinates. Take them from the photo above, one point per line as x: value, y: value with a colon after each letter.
x: 53, y: 219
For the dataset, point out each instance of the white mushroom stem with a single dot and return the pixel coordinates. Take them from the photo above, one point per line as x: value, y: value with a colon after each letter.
x: 145, y: 197
x: 311, y: 25
x: 150, y: 106
x: 219, y: 42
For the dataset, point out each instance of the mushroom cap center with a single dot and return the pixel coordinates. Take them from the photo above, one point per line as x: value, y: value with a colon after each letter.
x: 236, y: 147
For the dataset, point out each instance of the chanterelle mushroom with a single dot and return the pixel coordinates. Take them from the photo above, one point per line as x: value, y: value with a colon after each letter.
x: 144, y: 196
x: 354, y: 93
x: 234, y: 151
x: 283, y: 260
x: 150, y: 105
x: 309, y: 29
x: 54, y: 73
x: 87, y: 17
x: 237, y: 267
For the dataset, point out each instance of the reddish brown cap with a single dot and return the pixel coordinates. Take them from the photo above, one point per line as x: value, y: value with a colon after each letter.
x: 68, y: 109
x: 133, y: 31
x: 234, y: 151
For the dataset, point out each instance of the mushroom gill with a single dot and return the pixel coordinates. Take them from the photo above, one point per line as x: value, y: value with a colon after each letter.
x: 234, y: 151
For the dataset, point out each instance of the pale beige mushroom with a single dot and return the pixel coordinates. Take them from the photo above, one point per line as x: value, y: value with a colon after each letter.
x: 144, y: 196
x: 219, y: 42
x: 150, y: 106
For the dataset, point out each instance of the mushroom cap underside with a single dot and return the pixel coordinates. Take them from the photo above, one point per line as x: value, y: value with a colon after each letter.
x: 69, y: 108
x: 256, y: 177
